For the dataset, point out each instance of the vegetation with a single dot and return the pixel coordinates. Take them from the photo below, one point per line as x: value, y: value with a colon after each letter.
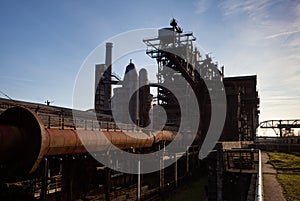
x: 288, y: 168
x: 192, y: 191
x: 291, y: 185
x: 283, y: 161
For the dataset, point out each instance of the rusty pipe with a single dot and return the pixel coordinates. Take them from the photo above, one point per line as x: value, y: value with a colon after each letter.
x: 25, y: 141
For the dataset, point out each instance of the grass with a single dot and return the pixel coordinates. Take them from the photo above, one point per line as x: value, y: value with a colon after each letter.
x: 288, y: 166
x: 283, y: 161
x: 194, y: 191
x: 291, y: 185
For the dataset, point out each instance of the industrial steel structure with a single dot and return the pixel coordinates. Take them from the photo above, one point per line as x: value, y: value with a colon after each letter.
x: 281, y: 127
x: 242, y: 108
x: 43, y: 153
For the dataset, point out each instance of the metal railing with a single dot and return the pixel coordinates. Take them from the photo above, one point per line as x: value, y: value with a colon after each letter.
x: 259, y: 184
x: 241, y: 160
x: 62, y: 121
x: 63, y: 118
x: 246, y: 161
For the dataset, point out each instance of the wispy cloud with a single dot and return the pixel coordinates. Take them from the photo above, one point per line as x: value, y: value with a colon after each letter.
x: 253, y: 8
x: 16, y: 79
x: 269, y: 43
x: 201, y: 6
x: 281, y: 18
x: 282, y: 99
x: 286, y: 33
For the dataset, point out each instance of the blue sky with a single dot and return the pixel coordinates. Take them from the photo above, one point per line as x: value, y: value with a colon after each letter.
x: 44, y: 43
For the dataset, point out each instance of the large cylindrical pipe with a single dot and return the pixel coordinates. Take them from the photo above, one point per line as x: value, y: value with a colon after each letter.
x: 22, y: 138
x: 25, y: 141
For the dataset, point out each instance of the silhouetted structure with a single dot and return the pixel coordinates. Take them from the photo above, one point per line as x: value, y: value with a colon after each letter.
x: 42, y: 151
x: 242, y: 108
x: 103, y: 90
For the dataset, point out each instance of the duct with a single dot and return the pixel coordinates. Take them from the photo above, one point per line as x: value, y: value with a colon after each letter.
x: 25, y: 141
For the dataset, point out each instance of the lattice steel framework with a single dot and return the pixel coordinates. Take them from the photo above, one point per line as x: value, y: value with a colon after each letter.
x: 279, y: 126
x: 177, y: 58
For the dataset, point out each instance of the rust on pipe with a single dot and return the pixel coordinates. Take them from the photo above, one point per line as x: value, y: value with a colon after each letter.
x: 22, y: 136
x: 25, y: 141
x: 69, y: 141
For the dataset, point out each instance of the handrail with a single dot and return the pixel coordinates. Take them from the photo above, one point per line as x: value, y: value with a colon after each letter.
x: 259, y: 185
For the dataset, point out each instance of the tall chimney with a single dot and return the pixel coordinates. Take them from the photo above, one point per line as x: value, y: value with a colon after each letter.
x: 108, y: 73
x: 145, y: 98
x: 108, y: 57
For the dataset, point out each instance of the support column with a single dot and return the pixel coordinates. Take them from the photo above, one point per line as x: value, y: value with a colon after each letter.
x: 162, y: 178
x: 44, y: 180
x: 108, y: 184
x: 139, y: 182
x: 219, y: 175
x: 68, y: 173
x: 280, y: 129
x: 187, y: 163
x: 176, y: 173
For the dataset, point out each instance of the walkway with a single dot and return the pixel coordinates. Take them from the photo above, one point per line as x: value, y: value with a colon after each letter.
x: 271, y: 188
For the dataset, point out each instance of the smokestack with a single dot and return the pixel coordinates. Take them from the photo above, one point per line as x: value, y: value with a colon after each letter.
x: 103, y: 90
x: 130, y: 84
x: 145, y: 98
x: 108, y: 57
x: 222, y: 70
x: 107, y: 77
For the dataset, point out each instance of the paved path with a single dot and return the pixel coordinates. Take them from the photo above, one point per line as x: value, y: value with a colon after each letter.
x: 271, y: 188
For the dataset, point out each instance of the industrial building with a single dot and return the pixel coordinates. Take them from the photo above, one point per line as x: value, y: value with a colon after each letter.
x: 42, y: 148
x: 242, y: 108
